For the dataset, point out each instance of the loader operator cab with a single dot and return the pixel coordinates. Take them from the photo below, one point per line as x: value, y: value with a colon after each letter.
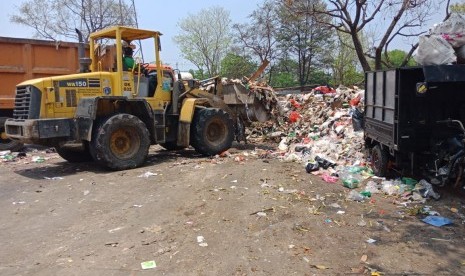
x: 130, y: 78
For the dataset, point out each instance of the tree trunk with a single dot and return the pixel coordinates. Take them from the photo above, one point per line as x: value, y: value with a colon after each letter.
x: 359, y: 50
x: 378, y: 52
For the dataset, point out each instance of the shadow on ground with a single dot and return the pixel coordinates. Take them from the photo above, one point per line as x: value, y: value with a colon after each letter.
x: 156, y: 156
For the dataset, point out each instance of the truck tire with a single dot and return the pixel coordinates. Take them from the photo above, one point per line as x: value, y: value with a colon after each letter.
x: 379, y: 161
x: 212, y: 131
x: 5, y: 142
x: 121, y: 142
x: 74, y: 155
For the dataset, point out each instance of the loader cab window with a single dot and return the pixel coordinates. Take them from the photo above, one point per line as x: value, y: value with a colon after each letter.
x: 168, y: 81
x: 152, y: 82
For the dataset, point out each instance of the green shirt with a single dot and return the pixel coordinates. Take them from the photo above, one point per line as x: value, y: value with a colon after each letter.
x: 128, y: 63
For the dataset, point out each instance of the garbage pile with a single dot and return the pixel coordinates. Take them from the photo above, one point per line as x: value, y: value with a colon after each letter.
x: 260, y: 91
x: 258, y: 98
x: 445, y: 44
x: 317, y: 128
x: 322, y: 131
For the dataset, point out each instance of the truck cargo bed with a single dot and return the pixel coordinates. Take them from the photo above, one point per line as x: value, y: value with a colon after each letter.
x: 403, y: 105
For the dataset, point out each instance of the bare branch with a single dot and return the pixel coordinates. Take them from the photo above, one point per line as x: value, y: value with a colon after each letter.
x: 409, y: 54
x: 56, y: 19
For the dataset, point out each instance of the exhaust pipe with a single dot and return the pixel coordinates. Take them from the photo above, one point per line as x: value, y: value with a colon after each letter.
x: 84, y: 62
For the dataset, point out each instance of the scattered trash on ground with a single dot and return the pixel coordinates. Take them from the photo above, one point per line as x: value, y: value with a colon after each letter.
x: 37, y: 159
x: 355, y: 196
x: 147, y: 174
x: 322, y: 267
x: 148, y: 264
x: 370, y: 240
x: 54, y: 178
x: 201, y: 241
x: 437, y: 221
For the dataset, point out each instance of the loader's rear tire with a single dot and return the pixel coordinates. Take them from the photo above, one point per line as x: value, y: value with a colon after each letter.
x: 121, y: 142
x: 212, y: 131
x: 5, y: 142
x: 75, y: 155
x: 379, y: 161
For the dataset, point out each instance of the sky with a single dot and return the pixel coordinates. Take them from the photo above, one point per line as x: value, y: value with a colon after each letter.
x: 157, y: 15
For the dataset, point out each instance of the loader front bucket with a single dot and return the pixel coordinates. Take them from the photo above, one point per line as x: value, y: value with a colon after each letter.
x: 249, y: 104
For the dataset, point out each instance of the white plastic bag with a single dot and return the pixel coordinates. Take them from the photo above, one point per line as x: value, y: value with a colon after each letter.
x: 452, y: 30
x: 434, y: 50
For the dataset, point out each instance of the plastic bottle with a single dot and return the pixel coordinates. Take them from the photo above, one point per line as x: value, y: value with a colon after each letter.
x: 389, y: 187
x: 366, y: 193
x: 356, y: 196
x: 350, y: 181
x: 372, y: 187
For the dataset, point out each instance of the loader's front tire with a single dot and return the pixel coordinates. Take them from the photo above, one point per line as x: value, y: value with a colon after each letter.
x: 73, y: 154
x: 121, y: 142
x: 212, y: 131
x: 5, y: 142
x: 379, y: 161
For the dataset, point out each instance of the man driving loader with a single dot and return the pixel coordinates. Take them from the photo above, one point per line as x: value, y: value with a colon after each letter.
x: 128, y: 60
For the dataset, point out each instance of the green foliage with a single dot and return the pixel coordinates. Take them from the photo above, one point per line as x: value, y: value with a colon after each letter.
x: 345, y: 65
x: 352, y: 77
x: 283, y: 79
x: 284, y: 73
x: 458, y: 8
x: 198, y: 74
x: 396, y: 57
x: 235, y: 66
x: 318, y: 76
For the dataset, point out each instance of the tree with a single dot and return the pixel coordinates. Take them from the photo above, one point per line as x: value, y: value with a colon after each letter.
x: 391, y: 18
x: 236, y: 66
x: 198, y: 74
x: 57, y: 19
x: 205, y: 38
x: 458, y: 8
x: 258, y: 37
x: 395, y: 58
x: 285, y: 73
x: 304, y: 37
x: 318, y: 76
x: 345, y: 67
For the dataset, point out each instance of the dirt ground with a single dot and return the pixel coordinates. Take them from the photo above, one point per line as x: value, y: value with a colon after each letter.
x: 212, y: 216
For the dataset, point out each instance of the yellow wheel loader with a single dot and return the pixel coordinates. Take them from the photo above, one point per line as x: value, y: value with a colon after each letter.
x: 112, y: 114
